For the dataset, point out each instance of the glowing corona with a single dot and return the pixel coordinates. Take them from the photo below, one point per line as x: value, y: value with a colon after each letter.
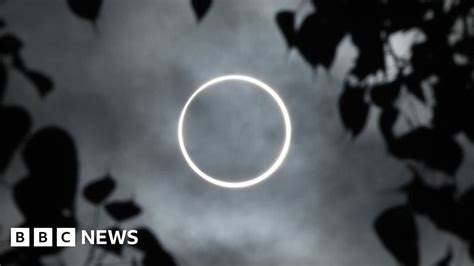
x: 276, y: 163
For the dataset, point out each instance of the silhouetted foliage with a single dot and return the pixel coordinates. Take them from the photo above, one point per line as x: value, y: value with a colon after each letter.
x: 429, y: 147
x: 433, y: 202
x: 40, y: 81
x: 97, y: 191
x: 10, y: 44
x: 397, y: 230
x: 86, y: 9
x: 50, y: 187
x: 154, y: 253
x: 354, y: 109
x: 201, y: 7
x: 122, y: 210
x: 16, y: 125
x: 437, y: 74
x: 46, y: 195
x: 286, y: 22
x: 10, y: 48
x: 385, y: 95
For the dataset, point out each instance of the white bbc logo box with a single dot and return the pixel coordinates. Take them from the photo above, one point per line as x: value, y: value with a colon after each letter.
x: 42, y: 237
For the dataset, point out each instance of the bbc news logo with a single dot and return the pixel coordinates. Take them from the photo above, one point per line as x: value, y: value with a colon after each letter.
x: 66, y: 237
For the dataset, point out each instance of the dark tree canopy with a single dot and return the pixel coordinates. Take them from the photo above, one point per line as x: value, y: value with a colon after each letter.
x: 46, y: 196
x: 438, y: 74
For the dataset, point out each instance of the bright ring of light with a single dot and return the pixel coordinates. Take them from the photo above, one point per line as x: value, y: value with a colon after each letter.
x: 281, y: 156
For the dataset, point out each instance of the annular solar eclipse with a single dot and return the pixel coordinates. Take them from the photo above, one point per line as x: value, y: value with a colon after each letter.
x: 252, y: 180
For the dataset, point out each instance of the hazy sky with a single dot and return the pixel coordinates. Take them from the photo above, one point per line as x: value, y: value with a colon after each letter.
x: 120, y: 88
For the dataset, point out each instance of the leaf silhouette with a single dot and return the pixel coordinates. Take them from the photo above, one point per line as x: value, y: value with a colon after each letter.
x: 49, y: 152
x: 148, y: 241
x: 353, y: 109
x: 10, y: 44
x: 396, y: 229
x: 122, y: 210
x: 435, y: 203
x: 317, y: 40
x: 49, y: 189
x: 42, y: 83
x: 428, y: 146
x: 16, y: 123
x: 97, y: 191
x: 201, y: 7
x: 87, y: 9
x: 366, y: 37
x: 446, y: 260
x: 155, y: 254
x: 386, y: 94
x: 286, y: 23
